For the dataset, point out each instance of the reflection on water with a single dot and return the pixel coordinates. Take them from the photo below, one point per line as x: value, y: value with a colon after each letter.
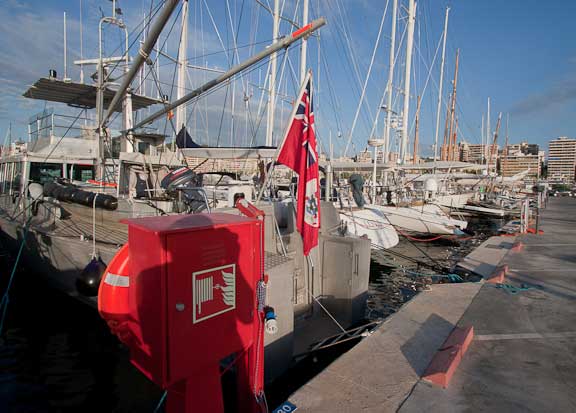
x: 390, y: 286
x: 57, y: 356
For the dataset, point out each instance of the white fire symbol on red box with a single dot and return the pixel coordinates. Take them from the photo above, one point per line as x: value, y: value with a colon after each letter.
x: 213, y: 292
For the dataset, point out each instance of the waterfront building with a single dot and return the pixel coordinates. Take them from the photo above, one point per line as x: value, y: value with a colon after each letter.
x: 521, y: 157
x: 478, y: 153
x: 562, y: 159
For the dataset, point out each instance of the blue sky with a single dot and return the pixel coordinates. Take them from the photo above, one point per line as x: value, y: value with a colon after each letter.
x: 522, y: 54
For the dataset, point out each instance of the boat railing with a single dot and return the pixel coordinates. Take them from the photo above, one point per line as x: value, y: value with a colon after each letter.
x: 49, y: 123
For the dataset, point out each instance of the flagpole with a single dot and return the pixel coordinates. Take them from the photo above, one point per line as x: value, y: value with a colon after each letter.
x: 279, y: 147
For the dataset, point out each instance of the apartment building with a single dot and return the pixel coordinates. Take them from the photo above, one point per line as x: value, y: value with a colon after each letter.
x: 521, y: 157
x: 562, y: 159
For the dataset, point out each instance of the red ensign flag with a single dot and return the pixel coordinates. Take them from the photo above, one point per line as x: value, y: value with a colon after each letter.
x: 299, y: 153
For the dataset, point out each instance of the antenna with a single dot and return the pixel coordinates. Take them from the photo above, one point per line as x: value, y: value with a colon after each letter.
x: 81, y: 47
x: 65, y: 52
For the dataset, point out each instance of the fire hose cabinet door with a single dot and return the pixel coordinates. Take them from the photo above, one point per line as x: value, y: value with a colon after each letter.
x: 212, y: 274
x: 194, y: 296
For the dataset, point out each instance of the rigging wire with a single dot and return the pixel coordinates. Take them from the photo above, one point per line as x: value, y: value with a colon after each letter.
x: 376, y: 44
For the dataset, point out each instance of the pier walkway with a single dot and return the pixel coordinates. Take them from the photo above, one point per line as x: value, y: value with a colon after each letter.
x: 522, y: 359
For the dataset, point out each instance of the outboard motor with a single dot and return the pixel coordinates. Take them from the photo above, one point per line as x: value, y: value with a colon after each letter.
x: 179, y: 177
x: 89, y: 279
x: 184, y: 182
x: 357, y: 183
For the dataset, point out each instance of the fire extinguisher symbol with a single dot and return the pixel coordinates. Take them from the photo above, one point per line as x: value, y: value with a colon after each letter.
x: 214, y: 292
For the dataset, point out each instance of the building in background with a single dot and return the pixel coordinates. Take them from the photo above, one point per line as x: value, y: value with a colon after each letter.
x: 562, y: 160
x: 464, y: 150
x: 522, y: 157
x: 524, y: 147
x: 478, y: 153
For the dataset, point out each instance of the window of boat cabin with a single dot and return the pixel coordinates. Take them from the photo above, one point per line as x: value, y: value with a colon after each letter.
x: 7, y: 177
x: 45, y: 172
x: 144, y: 148
x: 3, y: 169
x: 81, y: 172
x: 17, y: 177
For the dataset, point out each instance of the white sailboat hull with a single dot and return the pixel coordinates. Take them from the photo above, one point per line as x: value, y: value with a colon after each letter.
x: 366, y: 222
x: 426, y: 220
x: 453, y: 200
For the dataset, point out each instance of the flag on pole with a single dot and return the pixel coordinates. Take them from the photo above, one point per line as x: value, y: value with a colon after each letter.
x: 300, y: 154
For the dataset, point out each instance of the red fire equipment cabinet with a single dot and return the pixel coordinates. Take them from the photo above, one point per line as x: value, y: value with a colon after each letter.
x: 183, y: 295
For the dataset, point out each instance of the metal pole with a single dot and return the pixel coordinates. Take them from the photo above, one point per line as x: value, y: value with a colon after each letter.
x: 65, y: 51
x: 488, y: 132
x: 482, y: 141
x: 453, y: 109
x: 141, y: 57
x: 391, y: 63
x: 283, y: 43
x: 374, y: 172
x: 81, y: 46
x: 407, y: 78
x: 182, y: 55
x: 304, y: 42
x: 272, y: 85
x: 538, y: 206
x: 440, y: 86
x: 417, y: 124
x: 329, y: 171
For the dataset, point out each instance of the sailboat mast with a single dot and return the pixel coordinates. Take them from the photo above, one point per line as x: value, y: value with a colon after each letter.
x: 417, y: 122
x: 505, y: 150
x: 409, y: 45
x: 392, y: 60
x: 303, y: 51
x: 454, y: 147
x: 444, y: 148
x: 493, y: 147
x: 482, y: 140
x: 273, y: 66
x: 182, y: 61
x: 441, y: 83
x: 65, y: 51
x: 453, y: 108
x: 140, y: 58
x: 81, y: 46
x: 488, y: 130
x: 283, y: 43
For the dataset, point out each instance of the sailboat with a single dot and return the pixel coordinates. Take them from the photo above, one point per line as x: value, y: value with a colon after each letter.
x: 64, y: 194
x: 378, y: 222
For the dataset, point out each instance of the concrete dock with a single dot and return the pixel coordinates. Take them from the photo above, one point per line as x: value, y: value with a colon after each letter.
x: 522, y: 359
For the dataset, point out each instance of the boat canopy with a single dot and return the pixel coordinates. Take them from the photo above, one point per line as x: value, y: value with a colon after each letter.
x: 189, y: 148
x: 79, y: 94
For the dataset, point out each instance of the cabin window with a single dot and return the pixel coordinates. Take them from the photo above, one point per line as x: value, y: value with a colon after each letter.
x: 81, y: 172
x: 16, y: 181
x: 2, y: 177
x: 7, y: 177
x: 144, y: 148
x: 45, y: 172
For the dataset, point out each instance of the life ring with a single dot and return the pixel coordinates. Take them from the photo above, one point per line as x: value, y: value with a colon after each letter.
x: 114, y: 294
